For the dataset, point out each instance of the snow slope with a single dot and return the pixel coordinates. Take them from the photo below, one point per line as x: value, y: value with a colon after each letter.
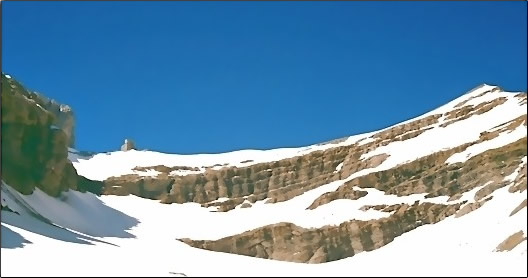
x: 154, y: 250
x: 132, y: 236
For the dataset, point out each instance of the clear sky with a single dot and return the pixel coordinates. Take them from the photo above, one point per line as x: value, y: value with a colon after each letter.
x: 194, y: 77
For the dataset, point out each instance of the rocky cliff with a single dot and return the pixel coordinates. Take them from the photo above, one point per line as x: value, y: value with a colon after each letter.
x: 36, y: 133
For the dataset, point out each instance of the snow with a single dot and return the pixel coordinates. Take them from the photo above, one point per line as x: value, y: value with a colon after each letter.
x: 75, y: 156
x: 503, y: 139
x: 471, y: 96
x: 338, y: 168
x: 184, y: 172
x: 147, y: 173
x: 366, y: 141
x: 8, y: 76
x: 38, y: 105
x: 83, y: 212
x: 54, y: 127
x: 490, y: 96
x: 469, y: 196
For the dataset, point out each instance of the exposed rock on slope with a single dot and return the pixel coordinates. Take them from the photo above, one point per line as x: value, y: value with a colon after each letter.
x: 432, y: 175
x: 34, y: 148
x: 287, y: 242
x: 511, y: 242
x: 276, y: 181
x: 63, y: 117
x: 333, y: 243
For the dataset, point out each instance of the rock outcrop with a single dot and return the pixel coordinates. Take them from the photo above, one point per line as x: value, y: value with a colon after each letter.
x: 511, y: 242
x: 34, y: 148
x: 275, y: 181
x: 288, y: 242
x: 519, y: 207
x: 63, y: 117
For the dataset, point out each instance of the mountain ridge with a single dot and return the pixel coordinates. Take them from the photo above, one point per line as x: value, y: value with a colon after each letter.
x: 450, y: 182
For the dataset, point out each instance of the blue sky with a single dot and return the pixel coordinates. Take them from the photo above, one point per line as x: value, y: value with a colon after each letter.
x: 193, y: 77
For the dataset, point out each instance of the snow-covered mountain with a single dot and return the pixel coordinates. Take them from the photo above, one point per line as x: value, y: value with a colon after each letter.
x: 440, y: 194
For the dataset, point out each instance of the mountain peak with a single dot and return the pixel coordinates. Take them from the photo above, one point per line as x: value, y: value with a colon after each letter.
x: 484, y: 88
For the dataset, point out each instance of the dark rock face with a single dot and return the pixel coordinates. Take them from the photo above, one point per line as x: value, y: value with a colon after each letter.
x: 34, y: 149
x: 87, y: 185
x: 62, y: 115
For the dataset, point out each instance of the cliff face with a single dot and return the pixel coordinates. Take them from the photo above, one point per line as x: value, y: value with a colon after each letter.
x: 277, y: 181
x: 63, y: 117
x: 36, y: 134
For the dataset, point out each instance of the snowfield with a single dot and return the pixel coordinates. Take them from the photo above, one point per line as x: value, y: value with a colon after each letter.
x: 131, y: 236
